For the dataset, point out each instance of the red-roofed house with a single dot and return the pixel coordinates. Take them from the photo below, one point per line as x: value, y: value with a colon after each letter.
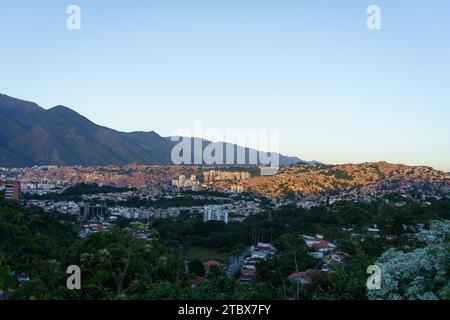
x: 304, y: 277
x: 209, y: 264
x: 247, y: 275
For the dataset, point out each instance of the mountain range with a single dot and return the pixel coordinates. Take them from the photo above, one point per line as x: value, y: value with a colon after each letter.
x: 31, y: 135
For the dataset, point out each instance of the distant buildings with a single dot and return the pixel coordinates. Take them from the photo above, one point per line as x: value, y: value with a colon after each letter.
x: 69, y: 207
x: 237, y: 189
x: 136, y: 213
x: 12, y: 190
x: 213, y: 175
x: 184, y: 183
x: 88, y: 229
x: 168, y: 213
x: 93, y: 211
x: 215, y: 213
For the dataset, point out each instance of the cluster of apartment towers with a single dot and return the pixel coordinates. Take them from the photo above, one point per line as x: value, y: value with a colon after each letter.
x: 210, y: 177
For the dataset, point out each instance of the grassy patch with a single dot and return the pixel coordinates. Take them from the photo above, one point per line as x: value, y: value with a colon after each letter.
x: 205, y: 254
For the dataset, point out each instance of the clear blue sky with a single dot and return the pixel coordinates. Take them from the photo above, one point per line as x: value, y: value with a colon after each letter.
x: 337, y: 91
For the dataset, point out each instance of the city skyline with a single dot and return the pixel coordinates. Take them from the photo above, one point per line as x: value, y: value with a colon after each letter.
x: 338, y: 92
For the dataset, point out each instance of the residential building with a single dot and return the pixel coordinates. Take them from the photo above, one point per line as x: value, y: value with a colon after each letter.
x: 259, y: 252
x: 304, y: 277
x: 93, y: 211
x: 319, y: 245
x: 12, y: 190
x: 166, y: 213
x: 173, y: 212
x: 215, y: 213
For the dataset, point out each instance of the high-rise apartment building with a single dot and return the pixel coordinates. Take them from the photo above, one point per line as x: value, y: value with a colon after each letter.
x: 215, y: 213
x: 93, y: 211
x: 12, y: 190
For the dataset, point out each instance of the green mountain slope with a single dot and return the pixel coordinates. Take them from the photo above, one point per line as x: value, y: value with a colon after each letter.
x: 31, y: 135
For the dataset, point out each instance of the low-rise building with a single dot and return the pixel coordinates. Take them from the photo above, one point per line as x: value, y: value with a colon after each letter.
x: 304, y: 277
x: 259, y: 252
x: 168, y: 213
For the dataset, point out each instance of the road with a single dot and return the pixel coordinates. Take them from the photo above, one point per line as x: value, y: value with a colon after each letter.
x: 236, y: 264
